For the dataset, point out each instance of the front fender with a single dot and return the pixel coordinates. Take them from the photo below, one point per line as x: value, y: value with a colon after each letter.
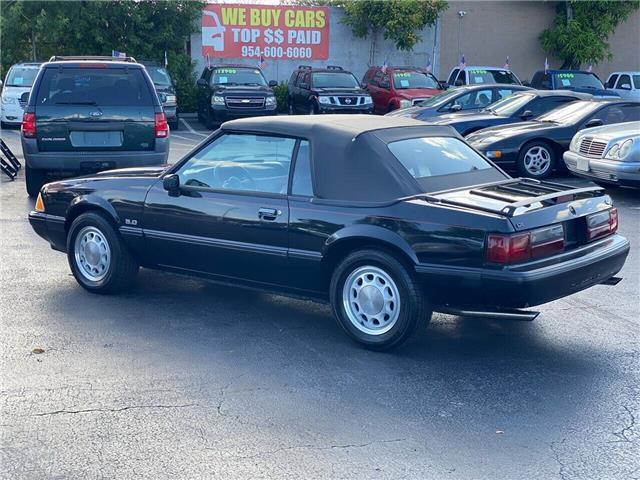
x: 91, y: 201
x: 370, y: 233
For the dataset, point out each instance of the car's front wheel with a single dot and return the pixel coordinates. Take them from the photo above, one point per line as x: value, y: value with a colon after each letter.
x: 536, y: 160
x: 376, y: 299
x: 99, y: 261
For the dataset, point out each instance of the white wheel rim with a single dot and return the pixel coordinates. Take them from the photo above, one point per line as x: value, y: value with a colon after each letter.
x: 537, y: 160
x: 92, y: 254
x: 371, y: 300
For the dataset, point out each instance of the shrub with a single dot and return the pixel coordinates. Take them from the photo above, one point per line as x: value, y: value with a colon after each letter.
x: 282, y: 97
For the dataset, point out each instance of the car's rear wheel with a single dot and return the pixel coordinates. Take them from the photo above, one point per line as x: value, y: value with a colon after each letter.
x: 99, y: 260
x: 536, y: 160
x: 376, y: 299
x: 34, y: 179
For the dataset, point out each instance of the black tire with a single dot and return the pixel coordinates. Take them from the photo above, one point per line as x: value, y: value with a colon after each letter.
x: 209, y: 120
x: 34, y: 179
x: 413, y: 307
x: 200, y: 117
x: 530, y: 148
x: 122, y: 267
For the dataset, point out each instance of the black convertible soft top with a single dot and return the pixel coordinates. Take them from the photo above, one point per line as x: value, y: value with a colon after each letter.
x: 349, y: 154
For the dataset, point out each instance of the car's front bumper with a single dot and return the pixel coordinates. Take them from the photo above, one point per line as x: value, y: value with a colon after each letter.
x: 50, y: 227
x: 11, y: 113
x: 345, y: 109
x: 507, y: 160
x: 600, y: 169
x: 171, y: 113
x: 223, y: 113
x: 525, y: 285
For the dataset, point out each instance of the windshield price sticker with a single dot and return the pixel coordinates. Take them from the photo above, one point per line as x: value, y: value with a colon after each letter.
x: 222, y: 71
x: 270, y: 31
x: 402, y: 75
x: 478, y: 72
x: 566, y: 75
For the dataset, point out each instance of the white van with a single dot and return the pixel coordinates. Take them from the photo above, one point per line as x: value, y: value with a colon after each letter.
x: 18, y: 81
x: 626, y: 84
x: 474, y: 75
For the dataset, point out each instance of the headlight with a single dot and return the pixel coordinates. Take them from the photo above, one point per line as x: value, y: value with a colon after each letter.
x: 493, y: 153
x: 625, y: 148
x: 613, y: 151
x: 368, y: 100
x: 217, y: 100
x: 405, y: 103
x: 169, y: 100
x: 6, y: 100
x: 324, y: 100
x: 270, y: 101
x: 575, y: 143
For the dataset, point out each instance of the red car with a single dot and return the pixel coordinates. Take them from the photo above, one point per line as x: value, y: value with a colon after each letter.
x: 399, y: 87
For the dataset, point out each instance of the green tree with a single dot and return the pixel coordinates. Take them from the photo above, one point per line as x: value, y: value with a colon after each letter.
x: 36, y: 30
x: 581, y: 29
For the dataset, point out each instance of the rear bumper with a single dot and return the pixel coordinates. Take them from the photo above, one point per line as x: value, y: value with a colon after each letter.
x: 87, y: 161
x: 526, y: 285
x: 609, y: 171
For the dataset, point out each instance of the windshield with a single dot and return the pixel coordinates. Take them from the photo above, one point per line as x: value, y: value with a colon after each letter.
x: 159, y: 76
x: 435, y: 156
x: 238, y: 76
x: 440, y: 98
x: 577, y: 80
x: 21, y: 76
x: 334, y: 80
x: 570, y: 113
x: 510, y: 105
x: 477, y: 76
x: 408, y: 79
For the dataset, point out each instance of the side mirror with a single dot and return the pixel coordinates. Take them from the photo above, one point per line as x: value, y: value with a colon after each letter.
x: 171, y: 183
x: 24, y: 98
x: 546, y: 85
x: 625, y: 86
x: 456, y: 107
x: 526, y: 83
x: 201, y: 82
x: 273, y: 83
x: 594, y: 122
x: 364, y: 85
x: 459, y: 83
x: 526, y: 114
x: 384, y: 84
x: 303, y: 86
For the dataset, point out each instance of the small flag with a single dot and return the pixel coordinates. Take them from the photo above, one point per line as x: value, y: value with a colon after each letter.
x: 208, y: 61
x: 166, y: 62
x: 429, y: 68
x: 463, y: 63
x: 507, y: 63
x: 117, y: 54
x: 546, y: 65
x: 590, y: 67
x: 262, y: 63
x: 384, y: 66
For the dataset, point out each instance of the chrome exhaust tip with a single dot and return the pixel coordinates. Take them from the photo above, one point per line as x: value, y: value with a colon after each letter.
x: 519, y: 315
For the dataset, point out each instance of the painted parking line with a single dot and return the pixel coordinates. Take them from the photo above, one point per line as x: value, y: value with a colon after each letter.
x: 190, y: 128
x: 175, y: 135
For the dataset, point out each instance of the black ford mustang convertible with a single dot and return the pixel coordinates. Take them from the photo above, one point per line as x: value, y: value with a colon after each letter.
x: 387, y: 218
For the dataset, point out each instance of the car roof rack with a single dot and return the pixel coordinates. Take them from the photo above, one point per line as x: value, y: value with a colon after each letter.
x: 102, y: 58
x: 304, y: 67
x: 334, y: 67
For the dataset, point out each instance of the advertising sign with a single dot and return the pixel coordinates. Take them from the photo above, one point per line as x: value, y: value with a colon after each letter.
x: 269, y: 31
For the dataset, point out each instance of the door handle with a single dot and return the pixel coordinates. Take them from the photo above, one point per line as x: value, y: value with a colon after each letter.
x: 270, y: 214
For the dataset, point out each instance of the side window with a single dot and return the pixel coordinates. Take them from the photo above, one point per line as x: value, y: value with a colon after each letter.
x: 293, y: 78
x: 385, y: 78
x: 452, y: 77
x: 612, y: 81
x: 376, y: 78
x: 462, y: 77
x: 617, y: 114
x: 471, y: 100
x: 301, y: 183
x: 624, y: 80
x: 238, y: 162
x: 545, y: 104
x: 502, y: 93
x: 307, y: 79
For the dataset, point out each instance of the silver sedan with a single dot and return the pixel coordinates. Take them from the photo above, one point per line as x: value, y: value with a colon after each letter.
x: 608, y: 155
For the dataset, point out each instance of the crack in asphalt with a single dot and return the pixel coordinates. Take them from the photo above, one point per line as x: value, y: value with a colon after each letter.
x: 316, y: 447
x: 556, y: 456
x: 111, y: 410
x: 622, y: 434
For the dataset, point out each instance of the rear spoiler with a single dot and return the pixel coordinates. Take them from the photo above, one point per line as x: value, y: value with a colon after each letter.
x: 556, y: 192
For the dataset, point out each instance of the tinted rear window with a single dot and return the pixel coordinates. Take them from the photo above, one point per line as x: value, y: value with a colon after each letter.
x: 105, y: 87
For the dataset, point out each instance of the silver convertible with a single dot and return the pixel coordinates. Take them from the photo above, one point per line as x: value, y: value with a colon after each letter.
x: 607, y: 155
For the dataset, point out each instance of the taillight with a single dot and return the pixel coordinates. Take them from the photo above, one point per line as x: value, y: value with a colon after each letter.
x: 602, y: 224
x: 162, y: 127
x: 519, y: 247
x: 29, y: 125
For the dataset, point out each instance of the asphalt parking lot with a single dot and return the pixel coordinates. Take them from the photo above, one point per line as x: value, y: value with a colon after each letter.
x: 183, y: 379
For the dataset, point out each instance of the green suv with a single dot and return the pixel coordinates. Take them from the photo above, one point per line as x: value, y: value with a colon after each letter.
x: 87, y: 114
